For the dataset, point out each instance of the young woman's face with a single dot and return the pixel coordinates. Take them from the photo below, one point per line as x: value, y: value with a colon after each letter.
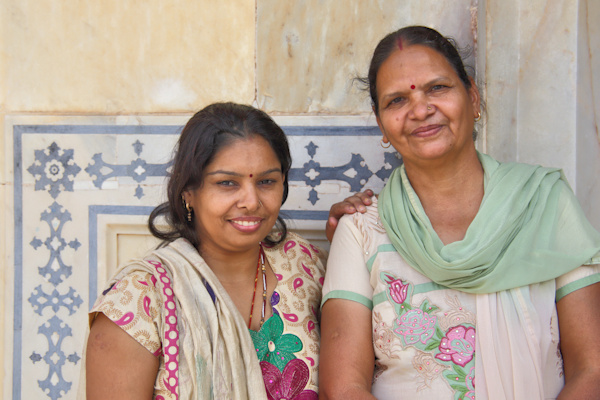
x: 425, y: 111
x: 238, y: 202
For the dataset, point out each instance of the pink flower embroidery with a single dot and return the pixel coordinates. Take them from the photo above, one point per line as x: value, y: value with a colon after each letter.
x: 416, y: 326
x: 398, y: 290
x: 289, y: 384
x: 458, y: 345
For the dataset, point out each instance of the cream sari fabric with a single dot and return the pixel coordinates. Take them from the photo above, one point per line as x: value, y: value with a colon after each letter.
x: 216, y: 358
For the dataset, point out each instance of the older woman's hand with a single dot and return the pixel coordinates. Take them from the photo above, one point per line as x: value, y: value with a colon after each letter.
x: 349, y: 205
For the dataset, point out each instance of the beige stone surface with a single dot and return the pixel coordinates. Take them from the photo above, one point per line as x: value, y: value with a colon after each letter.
x: 3, y: 271
x: 120, y: 56
x: 309, y: 51
x: 4, y: 259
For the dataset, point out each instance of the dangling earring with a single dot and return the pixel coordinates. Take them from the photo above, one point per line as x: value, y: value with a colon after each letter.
x: 385, y: 147
x: 188, y: 208
x: 478, y: 117
x: 189, y: 212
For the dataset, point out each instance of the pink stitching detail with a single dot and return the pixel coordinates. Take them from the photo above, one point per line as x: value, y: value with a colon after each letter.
x: 170, y: 344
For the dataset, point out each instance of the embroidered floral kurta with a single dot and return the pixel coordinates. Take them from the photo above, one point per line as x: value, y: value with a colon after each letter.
x: 287, y: 345
x: 425, y: 335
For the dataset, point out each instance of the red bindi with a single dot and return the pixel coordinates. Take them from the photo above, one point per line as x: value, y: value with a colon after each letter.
x: 250, y: 175
x: 412, y: 87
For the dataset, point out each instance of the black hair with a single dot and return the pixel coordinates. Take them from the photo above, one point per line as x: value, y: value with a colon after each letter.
x: 207, y: 132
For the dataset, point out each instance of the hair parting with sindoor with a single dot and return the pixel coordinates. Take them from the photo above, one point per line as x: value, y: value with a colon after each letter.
x: 204, y: 135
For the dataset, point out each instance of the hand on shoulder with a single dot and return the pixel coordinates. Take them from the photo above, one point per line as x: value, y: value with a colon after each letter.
x: 350, y: 205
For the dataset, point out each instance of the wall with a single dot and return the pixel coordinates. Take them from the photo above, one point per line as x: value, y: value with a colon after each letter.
x: 93, y: 95
x: 540, y: 88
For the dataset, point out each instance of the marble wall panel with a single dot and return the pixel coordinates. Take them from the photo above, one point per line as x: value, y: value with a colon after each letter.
x: 308, y: 51
x: 83, y: 187
x: 128, y: 56
x: 540, y: 88
x: 588, y: 110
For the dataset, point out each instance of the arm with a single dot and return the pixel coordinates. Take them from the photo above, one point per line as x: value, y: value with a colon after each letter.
x: 346, y: 362
x: 117, y: 366
x: 350, y: 205
x: 579, y: 323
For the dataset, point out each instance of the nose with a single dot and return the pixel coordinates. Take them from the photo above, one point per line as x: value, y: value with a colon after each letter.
x: 420, y: 108
x: 249, y: 198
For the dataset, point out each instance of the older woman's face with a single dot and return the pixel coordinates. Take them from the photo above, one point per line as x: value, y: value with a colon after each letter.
x: 425, y: 111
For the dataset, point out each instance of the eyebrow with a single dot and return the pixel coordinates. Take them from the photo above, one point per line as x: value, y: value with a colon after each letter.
x: 224, y: 172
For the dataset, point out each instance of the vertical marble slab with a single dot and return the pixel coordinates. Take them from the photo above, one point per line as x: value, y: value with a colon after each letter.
x: 309, y: 51
x: 588, y: 109
x: 129, y: 56
x: 540, y: 89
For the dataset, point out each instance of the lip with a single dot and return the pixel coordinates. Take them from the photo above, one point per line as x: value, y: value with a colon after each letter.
x: 246, y: 224
x: 426, y: 131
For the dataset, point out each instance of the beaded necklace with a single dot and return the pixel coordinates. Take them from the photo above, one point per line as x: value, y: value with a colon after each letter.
x: 260, y: 265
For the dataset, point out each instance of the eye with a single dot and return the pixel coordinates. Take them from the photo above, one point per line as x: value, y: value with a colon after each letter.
x: 396, y: 101
x: 226, y: 183
x: 438, y: 87
x: 267, y: 181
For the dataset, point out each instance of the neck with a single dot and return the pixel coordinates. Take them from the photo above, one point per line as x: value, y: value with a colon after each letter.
x: 231, y: 267
x: 446, y: 178
x: 450, y: 195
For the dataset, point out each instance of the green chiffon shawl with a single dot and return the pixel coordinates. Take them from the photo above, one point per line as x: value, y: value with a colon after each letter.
x: 529, y: 228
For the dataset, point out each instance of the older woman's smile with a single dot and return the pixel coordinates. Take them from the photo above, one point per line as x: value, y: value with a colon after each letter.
x: 426, y: 131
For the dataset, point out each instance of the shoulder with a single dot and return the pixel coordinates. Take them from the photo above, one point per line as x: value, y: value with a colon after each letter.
x: 294, y: 254
x: 363, y: 226
x: 131, y: 282
x: 295, y: 241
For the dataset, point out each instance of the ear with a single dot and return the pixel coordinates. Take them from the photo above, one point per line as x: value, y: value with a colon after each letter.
x: 475, y: 98
x: 187, y: 196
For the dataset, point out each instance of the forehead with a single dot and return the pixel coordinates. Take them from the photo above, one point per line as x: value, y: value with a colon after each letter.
x: 412, y: 62
x: 244, y: 152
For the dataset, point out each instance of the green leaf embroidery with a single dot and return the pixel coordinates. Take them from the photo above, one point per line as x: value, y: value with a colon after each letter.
x: 433, y: 344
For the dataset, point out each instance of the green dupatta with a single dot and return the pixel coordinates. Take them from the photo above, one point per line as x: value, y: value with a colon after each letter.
x: 529, y: 228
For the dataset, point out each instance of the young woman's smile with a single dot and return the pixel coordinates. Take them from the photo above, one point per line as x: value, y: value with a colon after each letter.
x: 239, y: 200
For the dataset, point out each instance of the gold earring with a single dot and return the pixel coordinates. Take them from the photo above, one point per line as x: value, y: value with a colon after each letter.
x: 188, y: 208
x: 478, y: 117
x: 428, y: 108
x: 189, y: 212
x: 385, y: 147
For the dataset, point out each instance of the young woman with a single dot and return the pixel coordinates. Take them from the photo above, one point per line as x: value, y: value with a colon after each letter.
x: 228, y: 307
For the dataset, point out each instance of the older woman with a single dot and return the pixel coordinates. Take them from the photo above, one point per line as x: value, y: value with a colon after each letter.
x: 466, y: 277
x: 226, y: 308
